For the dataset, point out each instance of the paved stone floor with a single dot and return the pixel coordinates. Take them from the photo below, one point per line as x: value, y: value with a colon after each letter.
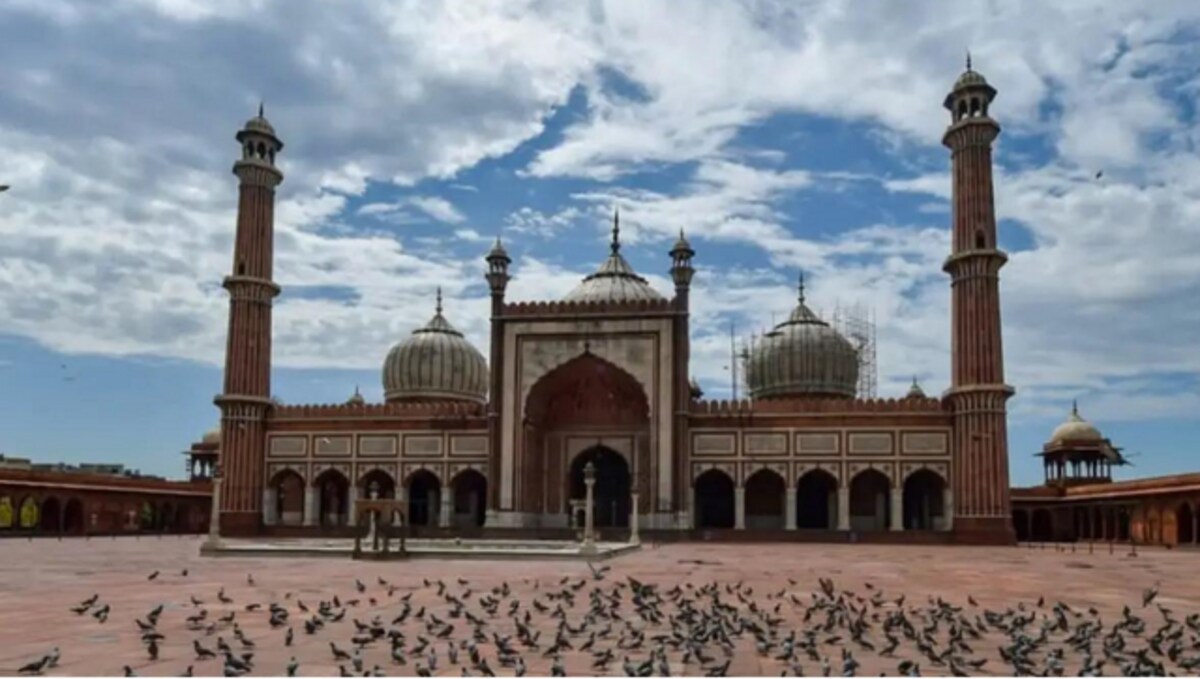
x: 41, y: 579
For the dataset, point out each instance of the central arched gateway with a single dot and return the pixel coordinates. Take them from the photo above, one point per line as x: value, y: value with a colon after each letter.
x: 611, y: 492
x: 586, y: 409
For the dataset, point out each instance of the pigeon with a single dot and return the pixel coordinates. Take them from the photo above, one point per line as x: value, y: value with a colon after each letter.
x: 1148, y: 596
x: 35, y: 667
x: 202, y: 653
x: 153, y: 575
x: 292, y: 666
x: 187, y: 672
x: 129, y: 671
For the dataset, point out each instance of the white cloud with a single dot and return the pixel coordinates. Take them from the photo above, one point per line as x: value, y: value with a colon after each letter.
x: 438, y: 208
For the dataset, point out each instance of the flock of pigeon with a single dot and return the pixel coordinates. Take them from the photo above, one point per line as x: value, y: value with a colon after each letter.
x: 605, y: 624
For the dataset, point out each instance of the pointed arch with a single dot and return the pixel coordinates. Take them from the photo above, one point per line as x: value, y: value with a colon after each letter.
x: 870, y: 501
x: 289, y: 497
x: 470, y: 498
x: 50, y: 521
x: 766, y: 497
x: 714, y: 500
x: 333, y: 498
x: 923, y: 494
x: 424, y: 495
x: 816, y: 500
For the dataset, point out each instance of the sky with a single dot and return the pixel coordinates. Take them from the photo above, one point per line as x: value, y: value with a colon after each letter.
x: 781, y: 136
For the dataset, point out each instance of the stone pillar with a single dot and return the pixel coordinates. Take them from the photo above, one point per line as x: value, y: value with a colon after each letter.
x: 897, y: 512
x: 214, y: 521
x: 843, y: 507
x: 447, y: 510
x: 589, y: 481
x: 691, y: 506
x: 789, y: 509
x: 352, y: 505
x: 270, y: 506
x: 739, y: 508
x: 633, y: 518
x: 948, y: 508
x: 310, y: 505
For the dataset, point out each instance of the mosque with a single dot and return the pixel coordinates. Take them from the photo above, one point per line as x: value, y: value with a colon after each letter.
x: 499, y: 444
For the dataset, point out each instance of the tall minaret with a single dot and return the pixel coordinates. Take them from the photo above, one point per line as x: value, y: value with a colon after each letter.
x: 247, y: 395
x: 977, y: 396
x: 681, y: 388
x: 497, y: 278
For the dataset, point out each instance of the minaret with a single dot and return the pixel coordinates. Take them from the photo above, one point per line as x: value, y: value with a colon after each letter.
x: 247, y: 395
x: 977, y: 395
x: 497, y: 278
x: 681, y: 391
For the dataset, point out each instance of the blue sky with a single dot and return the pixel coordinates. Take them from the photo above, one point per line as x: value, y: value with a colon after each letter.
x: 780, y: 136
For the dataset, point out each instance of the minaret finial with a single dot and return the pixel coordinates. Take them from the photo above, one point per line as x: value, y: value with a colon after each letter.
x: 968, y: 60
x: 439, y: 300
x: 616, y: 230
x: 800, y: 287
x: 260, y: 108
x: 1075, y: 407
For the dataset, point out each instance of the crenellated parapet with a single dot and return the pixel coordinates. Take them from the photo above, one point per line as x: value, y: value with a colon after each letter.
x: 801, y: 406
x: 416, y: 410
x: 589, y: 307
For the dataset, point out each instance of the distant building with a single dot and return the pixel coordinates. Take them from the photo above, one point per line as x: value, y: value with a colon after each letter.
x: 1080, y: 501
x: 91, y: 498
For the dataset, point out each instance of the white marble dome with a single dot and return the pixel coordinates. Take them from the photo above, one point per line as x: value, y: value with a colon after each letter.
x: 803, y: 356
x: 1075, y: 430
x: 436, y: 363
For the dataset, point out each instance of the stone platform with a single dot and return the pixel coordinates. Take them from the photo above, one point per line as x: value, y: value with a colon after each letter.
x: 420, y: 548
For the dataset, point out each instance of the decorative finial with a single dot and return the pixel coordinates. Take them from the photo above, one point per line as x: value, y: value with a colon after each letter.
x: 439, y: 300
x: 800, y: 287
x: 1075, y: 407
x: 260, y: 108
x: 616, y: 230
x: 915, y: 381
x: 968, y: 60
x: 356, y: 392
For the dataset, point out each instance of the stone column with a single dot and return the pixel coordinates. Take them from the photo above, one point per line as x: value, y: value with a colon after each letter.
x: 691, y: 507
x: 447, y: 510
x: 270, y: 506
x: 789, y: 509
x: 214, y: 521
x: 948, y: 508
x: 633, y: 517
x: 310, y: 505
x: 897, y: 512
x: 351, y: 506
x: 739, y: 508
x: 589, y: 481
x: 843, y: 507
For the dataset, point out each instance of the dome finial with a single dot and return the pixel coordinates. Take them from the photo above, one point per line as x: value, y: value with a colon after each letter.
x: 260, y: 108
x: 1075, y: 407
x: 968, y: 59
x: 439, y: 300
x: 800, y: 287
x: 616, y: 230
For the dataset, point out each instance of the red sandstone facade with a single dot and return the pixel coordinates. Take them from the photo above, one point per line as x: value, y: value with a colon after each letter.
x: 603, y: 377
x: 68, y: 504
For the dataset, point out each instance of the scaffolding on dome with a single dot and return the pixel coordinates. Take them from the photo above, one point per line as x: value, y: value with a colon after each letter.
x: 857, y: 324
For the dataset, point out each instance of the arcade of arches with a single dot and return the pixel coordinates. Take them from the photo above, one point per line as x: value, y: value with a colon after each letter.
x: 818, y: 502
x: 55, y: 504
x: 330, y: 499
x: 1167, y: 521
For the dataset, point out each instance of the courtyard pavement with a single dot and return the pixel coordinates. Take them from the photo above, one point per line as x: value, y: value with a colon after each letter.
x: 40, y: 580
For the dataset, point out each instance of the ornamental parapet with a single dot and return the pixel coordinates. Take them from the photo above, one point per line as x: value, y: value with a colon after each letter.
x: 593, y: 307
x: 801, y: 406
x: 423, y: 410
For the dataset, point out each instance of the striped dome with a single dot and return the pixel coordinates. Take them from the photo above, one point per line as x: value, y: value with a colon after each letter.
x: 615, y: 280
x: 435, y: 364
x: 803, y: 356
